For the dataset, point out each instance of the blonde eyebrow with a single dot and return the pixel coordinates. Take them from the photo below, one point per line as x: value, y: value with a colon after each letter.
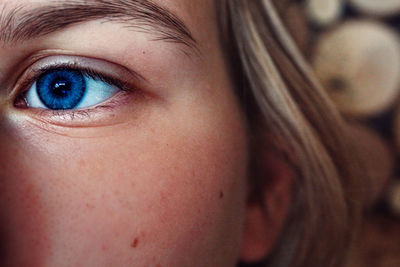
x: 20, y: 24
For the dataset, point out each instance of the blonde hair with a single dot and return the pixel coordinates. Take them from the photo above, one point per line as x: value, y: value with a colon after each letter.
x: 275, y: 83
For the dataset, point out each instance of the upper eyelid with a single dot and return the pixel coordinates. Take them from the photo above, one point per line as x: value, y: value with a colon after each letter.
x: 113, y: 70
x: 82, y: 61
x: 94, y: 74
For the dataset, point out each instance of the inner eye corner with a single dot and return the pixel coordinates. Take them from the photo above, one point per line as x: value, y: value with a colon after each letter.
x: 20, y: 101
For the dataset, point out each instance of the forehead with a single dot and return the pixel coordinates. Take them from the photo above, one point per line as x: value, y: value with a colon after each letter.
x: 187, y: 10
x: 197, y: 16
x: 181, y: 3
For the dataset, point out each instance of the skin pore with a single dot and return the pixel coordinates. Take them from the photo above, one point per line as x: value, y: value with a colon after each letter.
x: 153, y: 176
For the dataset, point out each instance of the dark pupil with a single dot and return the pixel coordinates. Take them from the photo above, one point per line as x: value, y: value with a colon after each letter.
x: 61, y: 89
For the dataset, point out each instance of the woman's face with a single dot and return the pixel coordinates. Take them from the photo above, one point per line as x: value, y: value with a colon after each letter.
x: 150, y: 169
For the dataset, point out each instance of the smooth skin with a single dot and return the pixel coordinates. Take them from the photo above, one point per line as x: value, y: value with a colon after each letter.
x: 158, y: 177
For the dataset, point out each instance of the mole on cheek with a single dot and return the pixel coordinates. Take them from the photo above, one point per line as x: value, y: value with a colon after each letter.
x: 135, y: 243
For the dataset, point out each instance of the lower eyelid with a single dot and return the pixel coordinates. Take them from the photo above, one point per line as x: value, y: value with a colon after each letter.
x: 100, y: 115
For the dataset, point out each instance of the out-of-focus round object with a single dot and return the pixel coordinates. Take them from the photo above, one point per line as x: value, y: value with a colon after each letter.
x: 359, y: 65
x: 324, y: 12
x: 376, y: 159
x: 377, y: 7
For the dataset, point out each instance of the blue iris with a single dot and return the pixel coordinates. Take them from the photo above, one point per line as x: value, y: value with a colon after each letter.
x: 61, y: 89
x: 66, y: 89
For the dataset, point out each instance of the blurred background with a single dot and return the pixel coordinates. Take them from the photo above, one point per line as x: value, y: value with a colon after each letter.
x: 354, y: 48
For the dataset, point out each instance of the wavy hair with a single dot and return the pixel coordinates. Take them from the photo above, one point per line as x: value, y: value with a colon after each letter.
x: 278, y: 89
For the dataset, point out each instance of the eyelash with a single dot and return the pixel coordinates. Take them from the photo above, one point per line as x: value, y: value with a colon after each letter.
x: 92, y: 73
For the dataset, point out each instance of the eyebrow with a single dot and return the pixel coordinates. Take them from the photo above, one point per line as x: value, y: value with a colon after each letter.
x: 20, y: 24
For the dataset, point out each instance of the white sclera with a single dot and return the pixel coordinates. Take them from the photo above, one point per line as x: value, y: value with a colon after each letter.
x: 32, y: 98
x: 96, y: 92
x: 358, y: 62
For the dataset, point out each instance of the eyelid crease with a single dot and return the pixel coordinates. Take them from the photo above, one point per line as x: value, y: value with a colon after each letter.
x: 20, y: 24
x: 122, y: 84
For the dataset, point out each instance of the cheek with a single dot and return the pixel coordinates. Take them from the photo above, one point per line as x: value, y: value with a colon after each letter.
x: 171, y: 193
x: 21, y: 209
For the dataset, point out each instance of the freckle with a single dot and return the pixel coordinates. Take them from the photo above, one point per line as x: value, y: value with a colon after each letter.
x: 221, y: 195
x: 135, y: 243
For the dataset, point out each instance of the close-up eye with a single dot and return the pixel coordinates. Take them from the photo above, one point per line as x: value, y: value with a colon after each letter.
x: 67, y: 89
